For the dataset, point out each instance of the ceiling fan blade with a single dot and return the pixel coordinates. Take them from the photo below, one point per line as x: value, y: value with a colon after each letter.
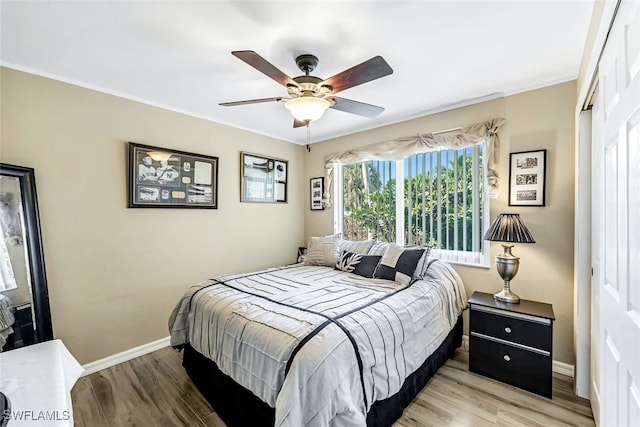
x: 299, y: 123
x: 264, y: 66
x: 372, y: 69
x: 251, y: 101
x: 355, y: 107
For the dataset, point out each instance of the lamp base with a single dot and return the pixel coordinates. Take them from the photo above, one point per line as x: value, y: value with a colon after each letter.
x: 507, y: 296
x: 507, y: 265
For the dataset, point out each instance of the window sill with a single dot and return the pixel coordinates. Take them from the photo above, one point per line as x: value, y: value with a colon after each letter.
x: 467, y: 264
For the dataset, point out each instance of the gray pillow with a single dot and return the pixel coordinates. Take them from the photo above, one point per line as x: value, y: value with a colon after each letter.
x: 322, y: 251
x: 423, y: 263
x: 378, y: 248
x: 356, y: 246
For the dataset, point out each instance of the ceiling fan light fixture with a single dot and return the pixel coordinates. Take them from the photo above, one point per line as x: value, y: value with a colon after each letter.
x: 307, y: 108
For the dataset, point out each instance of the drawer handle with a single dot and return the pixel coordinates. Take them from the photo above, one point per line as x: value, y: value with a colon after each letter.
x: 507, y: 358
x: 507, y: 330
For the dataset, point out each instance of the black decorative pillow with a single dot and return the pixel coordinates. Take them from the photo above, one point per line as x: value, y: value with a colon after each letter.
x: 399, y: 264
x: 362, y: 265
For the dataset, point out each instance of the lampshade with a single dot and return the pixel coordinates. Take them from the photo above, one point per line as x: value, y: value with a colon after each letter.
x: 509, y: 228
x: 159, y: 156
x: 307, y: 108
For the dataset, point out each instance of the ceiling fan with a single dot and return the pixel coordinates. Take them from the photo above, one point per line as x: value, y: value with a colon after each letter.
x: 309, y: 96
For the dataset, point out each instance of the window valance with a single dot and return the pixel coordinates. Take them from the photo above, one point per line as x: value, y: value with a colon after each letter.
x: 400, y: 148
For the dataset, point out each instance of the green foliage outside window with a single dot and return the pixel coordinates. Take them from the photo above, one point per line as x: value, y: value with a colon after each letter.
x: 370, y: 199
x: 369, y: 206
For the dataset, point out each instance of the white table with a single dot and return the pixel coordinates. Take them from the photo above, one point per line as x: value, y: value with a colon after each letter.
x: 38, y: 380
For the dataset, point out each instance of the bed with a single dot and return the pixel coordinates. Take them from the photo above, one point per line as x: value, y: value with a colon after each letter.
x: 307, y: 345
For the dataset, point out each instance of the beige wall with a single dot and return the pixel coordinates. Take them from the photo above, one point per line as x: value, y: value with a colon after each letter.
x: 115, y: 273
x: 537, y: 119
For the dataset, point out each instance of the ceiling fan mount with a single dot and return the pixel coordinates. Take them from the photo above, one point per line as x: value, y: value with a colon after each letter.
x: 309, y: 96
x: 307, y: 63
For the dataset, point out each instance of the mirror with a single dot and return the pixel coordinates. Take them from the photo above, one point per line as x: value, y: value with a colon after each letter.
x: 25, y: 315
x: 263, y: 179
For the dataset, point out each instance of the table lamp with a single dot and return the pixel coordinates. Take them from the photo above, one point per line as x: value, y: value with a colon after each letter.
x: 508, y: 228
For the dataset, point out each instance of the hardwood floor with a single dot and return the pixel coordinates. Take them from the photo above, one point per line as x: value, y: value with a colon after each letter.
x: 154, y: 390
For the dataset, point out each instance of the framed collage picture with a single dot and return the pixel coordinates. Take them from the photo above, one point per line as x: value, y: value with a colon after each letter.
x: 316, y: 190
x: 165, y: 178
x: 263, y: 179
x: 527, y: 172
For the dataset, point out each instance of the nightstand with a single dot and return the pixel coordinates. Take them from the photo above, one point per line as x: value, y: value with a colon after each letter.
x: 511, y: 343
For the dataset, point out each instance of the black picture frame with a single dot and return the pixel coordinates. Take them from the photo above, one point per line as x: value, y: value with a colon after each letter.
x: 316, y: 191
x: 263, y: 179
x: 527, y: 178
x: 43, y: 330
x: 165, y: 178
x: 302, y: 252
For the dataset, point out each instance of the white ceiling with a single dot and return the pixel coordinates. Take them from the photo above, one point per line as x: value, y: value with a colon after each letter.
x: 176, y: 55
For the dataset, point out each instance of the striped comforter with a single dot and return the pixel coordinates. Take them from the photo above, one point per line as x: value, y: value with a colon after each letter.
x: 319, y: 345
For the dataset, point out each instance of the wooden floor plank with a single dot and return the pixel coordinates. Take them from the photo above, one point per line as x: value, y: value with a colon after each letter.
x: 467, y: 404
x: 169, y: 362
x: 160, y: 396
x: 86, y: 410
x: 114, y: 393
x: 213, y: 420
x: 155, y: 390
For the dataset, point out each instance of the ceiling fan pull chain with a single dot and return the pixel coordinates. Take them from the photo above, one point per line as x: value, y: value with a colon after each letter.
x: 308, y: 137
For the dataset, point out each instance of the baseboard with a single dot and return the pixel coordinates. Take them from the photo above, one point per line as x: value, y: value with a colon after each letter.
x: 124, y: 356
x: 556, y: 366
x: 562, y: 368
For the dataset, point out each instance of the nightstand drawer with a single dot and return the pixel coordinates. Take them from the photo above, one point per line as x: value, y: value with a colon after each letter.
x: 522, y: 368
x: 526, y: 332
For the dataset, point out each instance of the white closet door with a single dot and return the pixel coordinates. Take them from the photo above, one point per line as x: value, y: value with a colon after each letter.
x: 618, y: 251
x: 597, y: 194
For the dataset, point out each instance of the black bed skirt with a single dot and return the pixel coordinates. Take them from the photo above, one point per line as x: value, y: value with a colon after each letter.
x: 238, y: 407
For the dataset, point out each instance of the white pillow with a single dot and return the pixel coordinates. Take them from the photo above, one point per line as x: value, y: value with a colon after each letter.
x: 323, y: 251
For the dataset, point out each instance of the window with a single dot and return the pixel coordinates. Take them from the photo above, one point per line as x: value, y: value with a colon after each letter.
x: 442, y: 202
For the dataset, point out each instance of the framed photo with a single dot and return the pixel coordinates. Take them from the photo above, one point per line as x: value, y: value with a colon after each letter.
x: 302, y: 252
x: 316, y: 192
x: 164, y: 178
x: 527, y: 171
x: 263, y: 179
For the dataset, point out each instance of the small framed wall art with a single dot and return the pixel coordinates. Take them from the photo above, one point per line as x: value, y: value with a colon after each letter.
x: 302, y: 252
x: 263, y: 179
x: 316, y: 191
x: 527, y: 172
x: 164, y: 178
